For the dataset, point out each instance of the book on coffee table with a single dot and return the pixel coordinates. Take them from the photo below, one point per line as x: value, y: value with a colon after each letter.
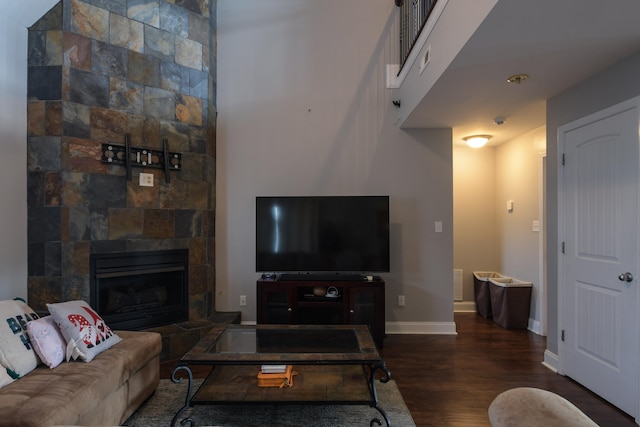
x: 277, y: 379
x: 273, y: 369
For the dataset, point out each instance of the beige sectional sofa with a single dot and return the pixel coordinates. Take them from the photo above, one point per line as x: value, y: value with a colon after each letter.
x: 103, y: 392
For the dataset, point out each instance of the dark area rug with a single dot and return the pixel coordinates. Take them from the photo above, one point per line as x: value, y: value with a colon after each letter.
x: 169, y: 398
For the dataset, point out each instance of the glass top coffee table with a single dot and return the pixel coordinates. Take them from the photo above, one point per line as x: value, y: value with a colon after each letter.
x: 335, y: 365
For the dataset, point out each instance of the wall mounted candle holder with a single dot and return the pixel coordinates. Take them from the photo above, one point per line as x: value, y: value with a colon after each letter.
x: 131, y: 157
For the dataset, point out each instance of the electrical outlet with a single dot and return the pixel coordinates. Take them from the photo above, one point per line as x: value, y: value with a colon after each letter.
x: 146, y: 180
x: 243, y: 300
x: 401, y: 300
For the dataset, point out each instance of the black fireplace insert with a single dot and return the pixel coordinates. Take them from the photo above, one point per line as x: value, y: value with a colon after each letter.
x: 138, y: 290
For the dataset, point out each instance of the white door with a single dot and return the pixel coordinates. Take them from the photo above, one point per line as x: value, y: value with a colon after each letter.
x: 599, y: 304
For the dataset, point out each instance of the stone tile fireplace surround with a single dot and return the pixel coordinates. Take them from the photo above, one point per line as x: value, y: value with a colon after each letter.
x: 98, y: 70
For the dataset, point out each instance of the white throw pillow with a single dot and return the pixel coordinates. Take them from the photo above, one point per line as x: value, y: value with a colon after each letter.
x: 83, y: 329
x: 5, y: 378
x: 16, y: 352
x: 48, y: 342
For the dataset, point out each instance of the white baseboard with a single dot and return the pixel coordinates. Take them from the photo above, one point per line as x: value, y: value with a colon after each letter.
x: 464, y: 306
x: 551, y: 361
x: 534, y: 326
x: 424, y: 328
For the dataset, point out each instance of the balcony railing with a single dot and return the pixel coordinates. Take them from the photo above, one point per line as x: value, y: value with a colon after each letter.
x: 413, y: 16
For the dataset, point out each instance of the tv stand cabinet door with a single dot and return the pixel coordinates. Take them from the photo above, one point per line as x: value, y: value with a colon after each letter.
x: 276, y: 304
x: 366, y: 307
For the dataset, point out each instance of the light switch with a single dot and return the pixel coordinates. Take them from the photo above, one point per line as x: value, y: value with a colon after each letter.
x: 510, y: 206
x: 536, y: 226
x: 438, y: 225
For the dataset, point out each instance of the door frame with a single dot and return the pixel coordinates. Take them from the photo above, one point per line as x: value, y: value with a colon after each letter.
x: 542, y: 244
x: 561, y: 287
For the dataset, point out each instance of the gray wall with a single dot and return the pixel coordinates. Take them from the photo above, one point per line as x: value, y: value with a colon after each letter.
x: 518, y: 178
x: 15, y: 17
x: 303, y: 110
x: 13, y: 221
x: 612, y: 86
x: 475, y: 235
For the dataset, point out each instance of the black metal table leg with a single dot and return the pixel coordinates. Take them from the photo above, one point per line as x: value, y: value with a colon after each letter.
x: 187, y: 400
x: 374, y: 394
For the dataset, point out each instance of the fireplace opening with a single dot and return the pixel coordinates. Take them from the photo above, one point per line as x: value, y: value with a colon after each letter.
x: 138, y: 290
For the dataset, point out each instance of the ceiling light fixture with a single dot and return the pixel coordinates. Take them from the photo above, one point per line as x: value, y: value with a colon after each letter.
x: 476, y: 141
x: 517, y: 78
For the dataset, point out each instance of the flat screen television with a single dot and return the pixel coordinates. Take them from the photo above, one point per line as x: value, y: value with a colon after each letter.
x: 322, y: 234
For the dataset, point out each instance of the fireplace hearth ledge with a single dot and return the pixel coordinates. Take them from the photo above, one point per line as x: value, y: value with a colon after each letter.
x: 178, y: 338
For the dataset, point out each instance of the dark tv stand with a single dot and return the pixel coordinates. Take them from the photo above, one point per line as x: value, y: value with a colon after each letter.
x: 305, y: 302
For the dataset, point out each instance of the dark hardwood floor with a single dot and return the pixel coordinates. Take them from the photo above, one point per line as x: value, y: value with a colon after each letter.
x: 451, y: 380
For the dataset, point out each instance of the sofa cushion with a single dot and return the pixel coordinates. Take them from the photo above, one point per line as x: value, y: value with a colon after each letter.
x: 72, y: 392
x: 83, y: 329
x: 47, y: 341
x: 16, y: 352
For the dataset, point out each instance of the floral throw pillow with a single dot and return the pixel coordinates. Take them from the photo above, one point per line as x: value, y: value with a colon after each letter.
x: 83, y: 329
x: 16, y: 351
x: 47, y: 341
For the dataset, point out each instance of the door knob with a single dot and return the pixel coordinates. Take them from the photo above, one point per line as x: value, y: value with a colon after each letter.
x: 626, y: 277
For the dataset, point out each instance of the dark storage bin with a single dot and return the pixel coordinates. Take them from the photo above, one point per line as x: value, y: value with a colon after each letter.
x: 510, y: 302
x: 481, y: 291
